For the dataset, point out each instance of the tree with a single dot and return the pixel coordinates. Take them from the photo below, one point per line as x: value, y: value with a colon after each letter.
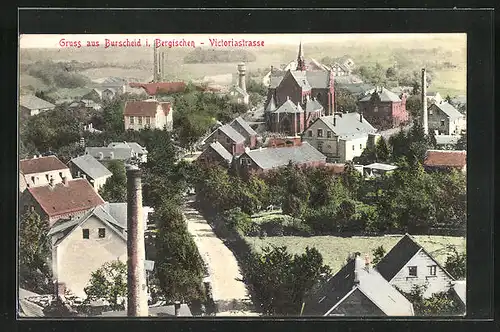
x: 438, y: 304
x: 391, y: 72
x: 279, y: 282
x: 414, y: 106
x: 115, y: 188
x: 345, y: 101
x: 112, y: 115
x: 378, y: 253
x: 179, y: 266
x: 351, y: 179
x: 456, y: 264
x: 382, y: 150
x: 109, y: 282
x: 34, y: 252
x: 297, y: 193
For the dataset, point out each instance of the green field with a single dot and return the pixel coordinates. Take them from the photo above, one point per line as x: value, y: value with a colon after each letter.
x: 336, y: 249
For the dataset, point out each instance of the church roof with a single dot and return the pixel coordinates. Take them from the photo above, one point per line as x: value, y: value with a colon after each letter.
x: 384, y: 95
x: 289, y: 107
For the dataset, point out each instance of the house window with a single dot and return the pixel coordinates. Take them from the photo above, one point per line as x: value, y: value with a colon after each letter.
x: 430, y: 112
x: 139, y: 120
x: 320, y: 132
x: 47, y: 176
x: 132, y: 120
x: 375, y: 109
x: 353, y: 147
x: 60, y: 174
x: 310, y: 133
x: 86, y: 233
x: 328, y: 134
x: 33, y: 179
x: 361, y: 146
x: 148, y: 120
x: 412, y: 271
x: 320, y: 146
x: 248, y: 162
x: 102, y: 233
x: 432, y: 270
x: 442, y: 123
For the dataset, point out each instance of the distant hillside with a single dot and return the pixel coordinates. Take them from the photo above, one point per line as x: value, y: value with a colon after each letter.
x: 200, y: 55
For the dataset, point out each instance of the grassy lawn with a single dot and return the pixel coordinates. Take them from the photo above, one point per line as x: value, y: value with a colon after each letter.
x: 336, y: 249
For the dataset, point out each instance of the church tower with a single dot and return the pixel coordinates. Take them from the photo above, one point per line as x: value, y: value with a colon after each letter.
x: 301, y: 63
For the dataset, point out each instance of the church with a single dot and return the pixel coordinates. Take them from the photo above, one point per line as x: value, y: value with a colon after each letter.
x: 297, y: 97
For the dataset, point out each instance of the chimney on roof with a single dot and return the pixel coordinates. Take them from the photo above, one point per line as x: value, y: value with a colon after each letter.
x: 137, y: 302
x: 177, y: 307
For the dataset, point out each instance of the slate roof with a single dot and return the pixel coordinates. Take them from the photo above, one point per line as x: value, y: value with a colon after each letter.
x: 168, y: 310
x: 90, y: 166
x: 313, y: 105
x: 399, y: 255
x: 232, y: 133
x: 316, y: 79
x: 119, y: 212
x: 397, y: 258
x: 289, y: 107
x: 384, y: 95
x: 40, y: 165
x: 445, y: 158
x: 301, y: 78
x: 271, y: 106
x: 136, y: 147
x: 268, y: 158
x: 355, y: 88
x: 32, y: 102
x: 65, y: 227
x: 76, y: 195
x: 118, y: 153
x: 449, y: 110
x: 221, y: 151
x: 347, y: 124
x: 338, y: 288
x: 244, y: 125
x: 145, y: 108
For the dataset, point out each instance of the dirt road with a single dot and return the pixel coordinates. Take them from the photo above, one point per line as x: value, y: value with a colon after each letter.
x: 222, y: 265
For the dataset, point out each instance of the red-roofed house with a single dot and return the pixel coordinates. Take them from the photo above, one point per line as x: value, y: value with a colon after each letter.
x: 148, y: 113
x: 445, y: 160
x: 38, y: 171
x: 160, y: 87
x: 61, y: 200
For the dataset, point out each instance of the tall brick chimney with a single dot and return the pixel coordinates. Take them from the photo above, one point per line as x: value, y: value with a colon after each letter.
x: 137, y: 302
x: 425, y: 119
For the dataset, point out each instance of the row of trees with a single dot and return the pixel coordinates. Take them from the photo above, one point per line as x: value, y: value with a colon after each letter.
x: 200, y: 55
x: 57, y: 74
x: 408, y: 200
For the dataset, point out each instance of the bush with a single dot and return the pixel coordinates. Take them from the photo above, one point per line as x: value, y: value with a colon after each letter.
x: 273, y: 227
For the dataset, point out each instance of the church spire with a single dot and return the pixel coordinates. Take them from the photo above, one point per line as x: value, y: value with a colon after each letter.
x: 301, y: 64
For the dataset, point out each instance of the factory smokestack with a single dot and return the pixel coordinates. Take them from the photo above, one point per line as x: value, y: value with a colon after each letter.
x: 425, y: 119
x: 241, y: 77
x: 162, y: 65
x: 137, y: 302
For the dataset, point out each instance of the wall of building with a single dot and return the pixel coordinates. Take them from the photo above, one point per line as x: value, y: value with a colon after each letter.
x: 435, y: 118
x: 288, y: 88
x: 353, y: 148
x: 357, y: 304
x: 169, y: 120
x: 378, y: 114
x: 43, y: 179
x: 435, y: 284
x: 77, y: 258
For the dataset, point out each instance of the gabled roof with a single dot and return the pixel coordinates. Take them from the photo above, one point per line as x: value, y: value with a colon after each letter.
x: 268, y: 158
x: 76, y: 195
x: 221, y: 151
x: 243, y: 125
x: 449, y: 110
x: 313, y: 105
x: 271, y: 106
x: 117, y: 153
x: 460, y: 288
x: 301, y: 79
x: 399, y: 256
x: 32, y: 102
x: 355, y: 276
x: 315, y: 79
x: 135, y: 147
x: 66, y: 227
x: 289, y: 107
x: 145, y: 108
x: 347, y: 124
x: 231, y: 133
x: 384, y: 95
x: 445, y: 158
x: 447, y: 139
x: 40, y: 165
x: 90, y: 166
